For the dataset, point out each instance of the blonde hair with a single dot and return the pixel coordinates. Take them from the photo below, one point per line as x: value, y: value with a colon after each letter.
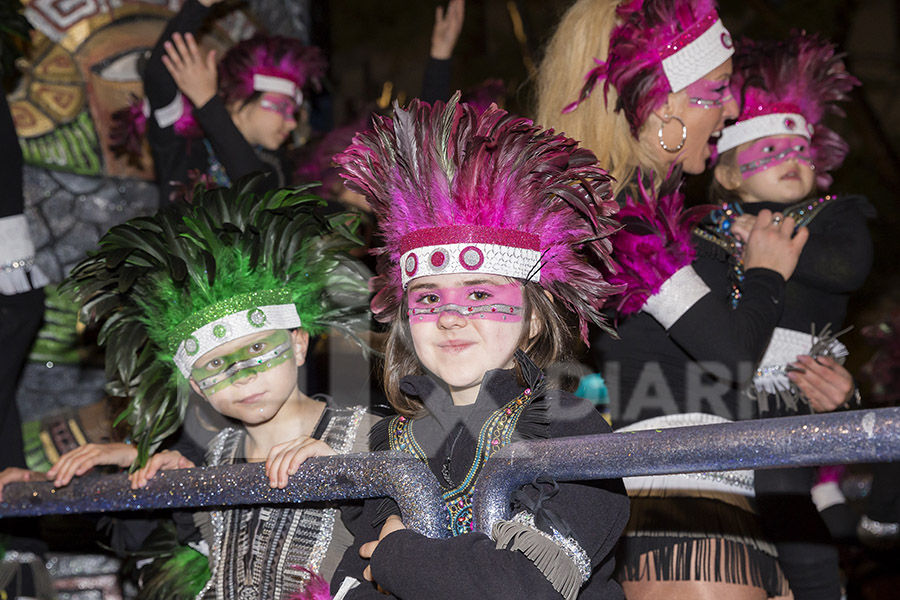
x: 582, y: 35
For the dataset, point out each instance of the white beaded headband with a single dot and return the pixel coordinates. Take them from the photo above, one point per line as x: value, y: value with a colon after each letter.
x: 696, y: 52
x: 470, y: 249
x: 763, y: 126
x: 229, y: 320
x: 278, y: 85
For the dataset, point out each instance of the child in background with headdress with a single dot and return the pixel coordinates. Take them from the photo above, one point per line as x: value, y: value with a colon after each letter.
x: 777, y: 156
x: 221, y: 295
x: 216, y: 124
x: 490, y: 227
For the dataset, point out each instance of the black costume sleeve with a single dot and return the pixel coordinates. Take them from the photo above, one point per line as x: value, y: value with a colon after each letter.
x: 436, y: 82
x: 712, y: 331
x: 232, y: 150
x: 171, y: 150
x: 837, y: 259
x: 11, y: 159
x: 159, y: 87
x: 412, y: 566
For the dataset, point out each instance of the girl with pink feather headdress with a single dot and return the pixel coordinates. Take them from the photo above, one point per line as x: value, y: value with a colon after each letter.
x: 778, y: 155
x: 215, y: 123
x: 493, y: 232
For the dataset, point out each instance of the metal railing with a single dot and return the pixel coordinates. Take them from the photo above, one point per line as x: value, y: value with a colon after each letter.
x: 835, y: 438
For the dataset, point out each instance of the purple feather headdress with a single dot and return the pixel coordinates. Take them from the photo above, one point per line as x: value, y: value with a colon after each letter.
x: 455, y: 190
x: 787, y: 87
x: 661, y: 46
x: 654, y: 242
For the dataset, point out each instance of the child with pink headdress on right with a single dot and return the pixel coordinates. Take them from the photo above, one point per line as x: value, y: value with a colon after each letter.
x: 777, y: 156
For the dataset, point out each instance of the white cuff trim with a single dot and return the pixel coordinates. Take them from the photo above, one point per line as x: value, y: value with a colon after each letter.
x: 169, y: 114
x: 676, y: 296
x: 826, y: 495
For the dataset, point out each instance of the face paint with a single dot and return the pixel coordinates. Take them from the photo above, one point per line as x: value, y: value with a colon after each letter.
x: 768, y: 152
x: 257, y: 357
x: 475, y: 300
x: 708, y: 94
x: 279, y: 104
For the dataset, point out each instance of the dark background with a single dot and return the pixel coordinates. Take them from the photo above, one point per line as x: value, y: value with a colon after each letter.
x: 378, y: 50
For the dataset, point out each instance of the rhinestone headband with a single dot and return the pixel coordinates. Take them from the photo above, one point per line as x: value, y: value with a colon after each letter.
x: 229, y: 320
x: 278, y: 85
x: 696, y: 52
x: 470, y: 249
x: 761, y: 127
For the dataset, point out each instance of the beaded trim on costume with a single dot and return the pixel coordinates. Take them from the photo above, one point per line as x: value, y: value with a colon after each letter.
x: 496, y: 433
x: 720, y: 234
x: 265, y: 565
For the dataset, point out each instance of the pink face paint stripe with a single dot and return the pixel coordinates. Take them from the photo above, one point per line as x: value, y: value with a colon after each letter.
x: 707, y: 93
x: 499, y: 302
x: 769, y: 152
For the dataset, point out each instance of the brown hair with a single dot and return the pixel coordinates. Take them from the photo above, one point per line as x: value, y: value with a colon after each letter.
x: 582, y: 35
x: 718, y: 193
x: 552, y: 343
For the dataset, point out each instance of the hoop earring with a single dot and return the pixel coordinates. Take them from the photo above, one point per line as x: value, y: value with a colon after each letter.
x: 659, y: 134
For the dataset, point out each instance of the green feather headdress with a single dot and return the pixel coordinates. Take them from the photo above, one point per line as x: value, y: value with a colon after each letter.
x: 170, y: 287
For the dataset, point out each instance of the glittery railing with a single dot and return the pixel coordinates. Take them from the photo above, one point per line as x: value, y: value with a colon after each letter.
x: 393, y: 474
x: 841, y: 438
x: 836, y: 438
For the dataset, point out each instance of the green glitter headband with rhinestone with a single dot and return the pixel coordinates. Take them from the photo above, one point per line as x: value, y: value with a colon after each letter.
x: 170, y: 287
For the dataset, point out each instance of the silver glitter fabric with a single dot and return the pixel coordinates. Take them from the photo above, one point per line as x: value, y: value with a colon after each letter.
x: 822, y: 439
x: 349, y: 476
x: 676, y: 295
x: 247, y: 541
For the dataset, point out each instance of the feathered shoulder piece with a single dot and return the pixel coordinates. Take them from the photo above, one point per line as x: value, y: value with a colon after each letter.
x: 654, y: 241
x: 458, y: 191
x: 659, y: 46
x: 171, y: 287
x: 788, y: 87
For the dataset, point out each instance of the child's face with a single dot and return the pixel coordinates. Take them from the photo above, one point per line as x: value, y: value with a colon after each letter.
x: 250, y: 378
x: 465, y: 325
x: 268, y: 121
x: 775, y: 169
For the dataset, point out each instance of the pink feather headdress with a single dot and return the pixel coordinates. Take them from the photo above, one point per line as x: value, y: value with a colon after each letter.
x: 259, y: 64
x: 269, y: 64
x: 455, y: 190
x: 661, y: 46
x: 788, y: 87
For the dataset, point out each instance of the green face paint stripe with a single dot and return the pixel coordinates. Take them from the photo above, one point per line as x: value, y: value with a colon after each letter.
x: 252, y: 370
x: 277, y: 343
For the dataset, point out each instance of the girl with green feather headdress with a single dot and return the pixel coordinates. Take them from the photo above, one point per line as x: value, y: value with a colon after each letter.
x: 221, y: 295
